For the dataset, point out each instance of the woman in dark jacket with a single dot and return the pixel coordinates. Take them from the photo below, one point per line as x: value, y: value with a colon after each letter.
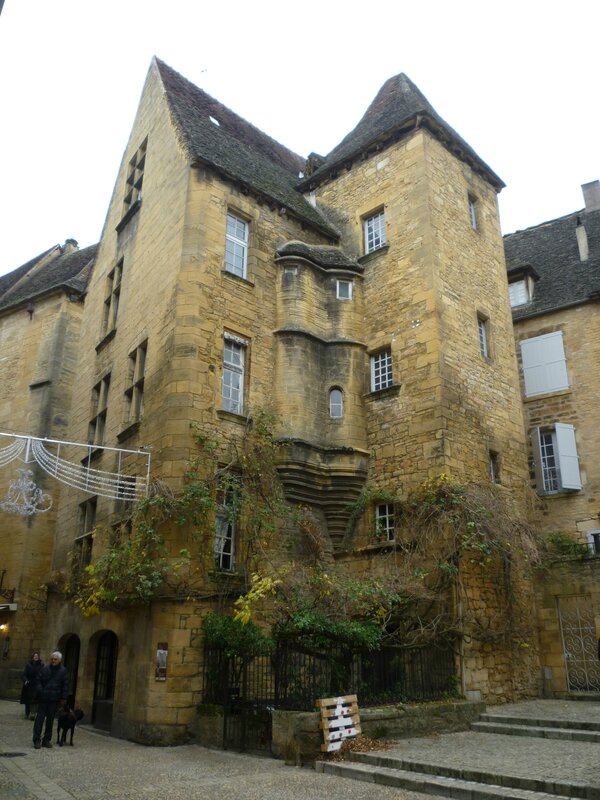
x: 31, y: 675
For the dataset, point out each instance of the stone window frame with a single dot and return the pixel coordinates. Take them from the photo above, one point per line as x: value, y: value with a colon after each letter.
x: 99, y: 412
x: 112, y: 298
x: 374, y: 231
x: 556, y: 459
x: 593, y: 540
x: 382, y: 369
x: 483, y: 335
x: 236, y: 247
x: 494, y: 466
x: 84, y: 541
x: 233, y: 392
x: 226, y: 524
x: 347, y: 283
x: 385, y: 521
x: 134, y: 391
x: 135, y: 177
x: 336, y: 402
x: 473, y: 204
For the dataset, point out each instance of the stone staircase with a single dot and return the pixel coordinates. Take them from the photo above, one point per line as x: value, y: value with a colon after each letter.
x: 576, y: 731
x: 487, y: 763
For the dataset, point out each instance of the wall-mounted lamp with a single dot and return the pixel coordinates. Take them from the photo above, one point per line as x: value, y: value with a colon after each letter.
x: 4, y: 627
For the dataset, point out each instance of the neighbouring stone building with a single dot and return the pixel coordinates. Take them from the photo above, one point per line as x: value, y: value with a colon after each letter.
x: 41, y: 304
x: 554, y: 283
x: 361, y: 296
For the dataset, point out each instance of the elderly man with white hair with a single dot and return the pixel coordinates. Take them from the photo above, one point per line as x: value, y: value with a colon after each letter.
x: 52, y: 691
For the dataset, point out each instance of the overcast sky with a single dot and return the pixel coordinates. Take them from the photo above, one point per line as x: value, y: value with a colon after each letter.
x: 518, y: 80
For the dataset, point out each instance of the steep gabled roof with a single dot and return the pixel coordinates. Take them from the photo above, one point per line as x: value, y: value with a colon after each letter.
x: 212, y: 134
x: 69, y: 271
x: 551, y: 250
x: 398, y: 107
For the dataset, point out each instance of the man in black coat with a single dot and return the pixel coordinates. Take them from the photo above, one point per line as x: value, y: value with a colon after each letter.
x: 52, y: 691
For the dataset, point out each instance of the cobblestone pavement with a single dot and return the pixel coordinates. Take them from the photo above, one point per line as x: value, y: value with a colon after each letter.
x: 99, y: 767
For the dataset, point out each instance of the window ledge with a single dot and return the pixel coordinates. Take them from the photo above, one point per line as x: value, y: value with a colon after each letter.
x: 106, y: 339
x: 241, y: 419
x: 389, y: 391
x: 559, y: 493
x: 373, y: 254
x: 129, y: 431
x: 543, y: 395
x: 93, y: 456
x: 239, y: 278
x: 129, y: 214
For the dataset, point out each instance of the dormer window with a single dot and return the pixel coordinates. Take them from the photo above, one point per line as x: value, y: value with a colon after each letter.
x: 519, y: 293
x: 521, y: 282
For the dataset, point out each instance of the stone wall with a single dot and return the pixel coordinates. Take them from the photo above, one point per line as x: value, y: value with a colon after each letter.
x: 568, y: 578
x: 573, y: 512
x: 297, y: 737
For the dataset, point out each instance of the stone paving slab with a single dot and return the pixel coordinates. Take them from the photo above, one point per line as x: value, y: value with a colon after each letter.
x: 99, y: 767
x: 568, y: 710
x: 523, y: 757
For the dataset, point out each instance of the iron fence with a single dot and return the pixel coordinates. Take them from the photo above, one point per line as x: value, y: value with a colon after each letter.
x: 291, y: 679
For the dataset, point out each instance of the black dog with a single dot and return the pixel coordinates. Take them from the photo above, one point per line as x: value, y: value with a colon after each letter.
x: 67, y: 719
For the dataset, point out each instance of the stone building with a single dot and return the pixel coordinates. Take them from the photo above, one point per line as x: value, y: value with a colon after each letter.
x: 554, y: 285
x: 41, y: 304
x: 360, y: 296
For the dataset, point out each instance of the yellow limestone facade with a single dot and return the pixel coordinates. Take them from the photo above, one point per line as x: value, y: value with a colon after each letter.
x: 557, y: 335
x: 311, y: 314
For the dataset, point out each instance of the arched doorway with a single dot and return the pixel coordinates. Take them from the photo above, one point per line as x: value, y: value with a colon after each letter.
x: 104, y: 682
x: 70, y: 648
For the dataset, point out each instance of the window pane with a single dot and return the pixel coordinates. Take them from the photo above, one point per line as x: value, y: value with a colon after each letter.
x: 483, y: 338
x: 518, y: 293
x: 374, y: 232
x: 384, y: 521
x: 336, y: 403
x: 236, y: 246
x: 344, y: 290
x: 381, y: 370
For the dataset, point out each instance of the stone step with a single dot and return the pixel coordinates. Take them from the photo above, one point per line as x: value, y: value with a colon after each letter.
x: 430, y: 784
x: 536, y: 785
x: 567, y: 734
x: 537, y: 722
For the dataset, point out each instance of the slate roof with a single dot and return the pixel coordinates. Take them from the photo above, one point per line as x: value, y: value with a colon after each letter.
x: 69, y: 271
x: 398, y: 106
x: 236, y: 149
x: 551, y: 250
x: 323, y: 256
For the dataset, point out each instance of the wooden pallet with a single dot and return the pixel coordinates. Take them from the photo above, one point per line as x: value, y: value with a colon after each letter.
x: 340, y: 721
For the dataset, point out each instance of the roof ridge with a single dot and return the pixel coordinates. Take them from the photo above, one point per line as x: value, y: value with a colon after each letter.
x: 546, y: 222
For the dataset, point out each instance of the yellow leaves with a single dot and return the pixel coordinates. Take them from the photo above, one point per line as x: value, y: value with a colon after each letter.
x: 260, y: 587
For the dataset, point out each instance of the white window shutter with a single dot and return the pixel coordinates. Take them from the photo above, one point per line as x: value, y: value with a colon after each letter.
x: 537, y: 460
x: 567, y: 457
x: 544, y: 365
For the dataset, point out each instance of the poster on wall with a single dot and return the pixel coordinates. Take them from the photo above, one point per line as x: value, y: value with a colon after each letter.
x: 160, y: 672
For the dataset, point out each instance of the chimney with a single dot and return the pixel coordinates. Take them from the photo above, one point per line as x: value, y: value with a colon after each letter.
x: 70, y: 246
x: 582, y: 240
x: 591, y: 195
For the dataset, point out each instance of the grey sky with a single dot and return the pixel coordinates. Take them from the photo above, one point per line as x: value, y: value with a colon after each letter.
x: 517, y: 80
